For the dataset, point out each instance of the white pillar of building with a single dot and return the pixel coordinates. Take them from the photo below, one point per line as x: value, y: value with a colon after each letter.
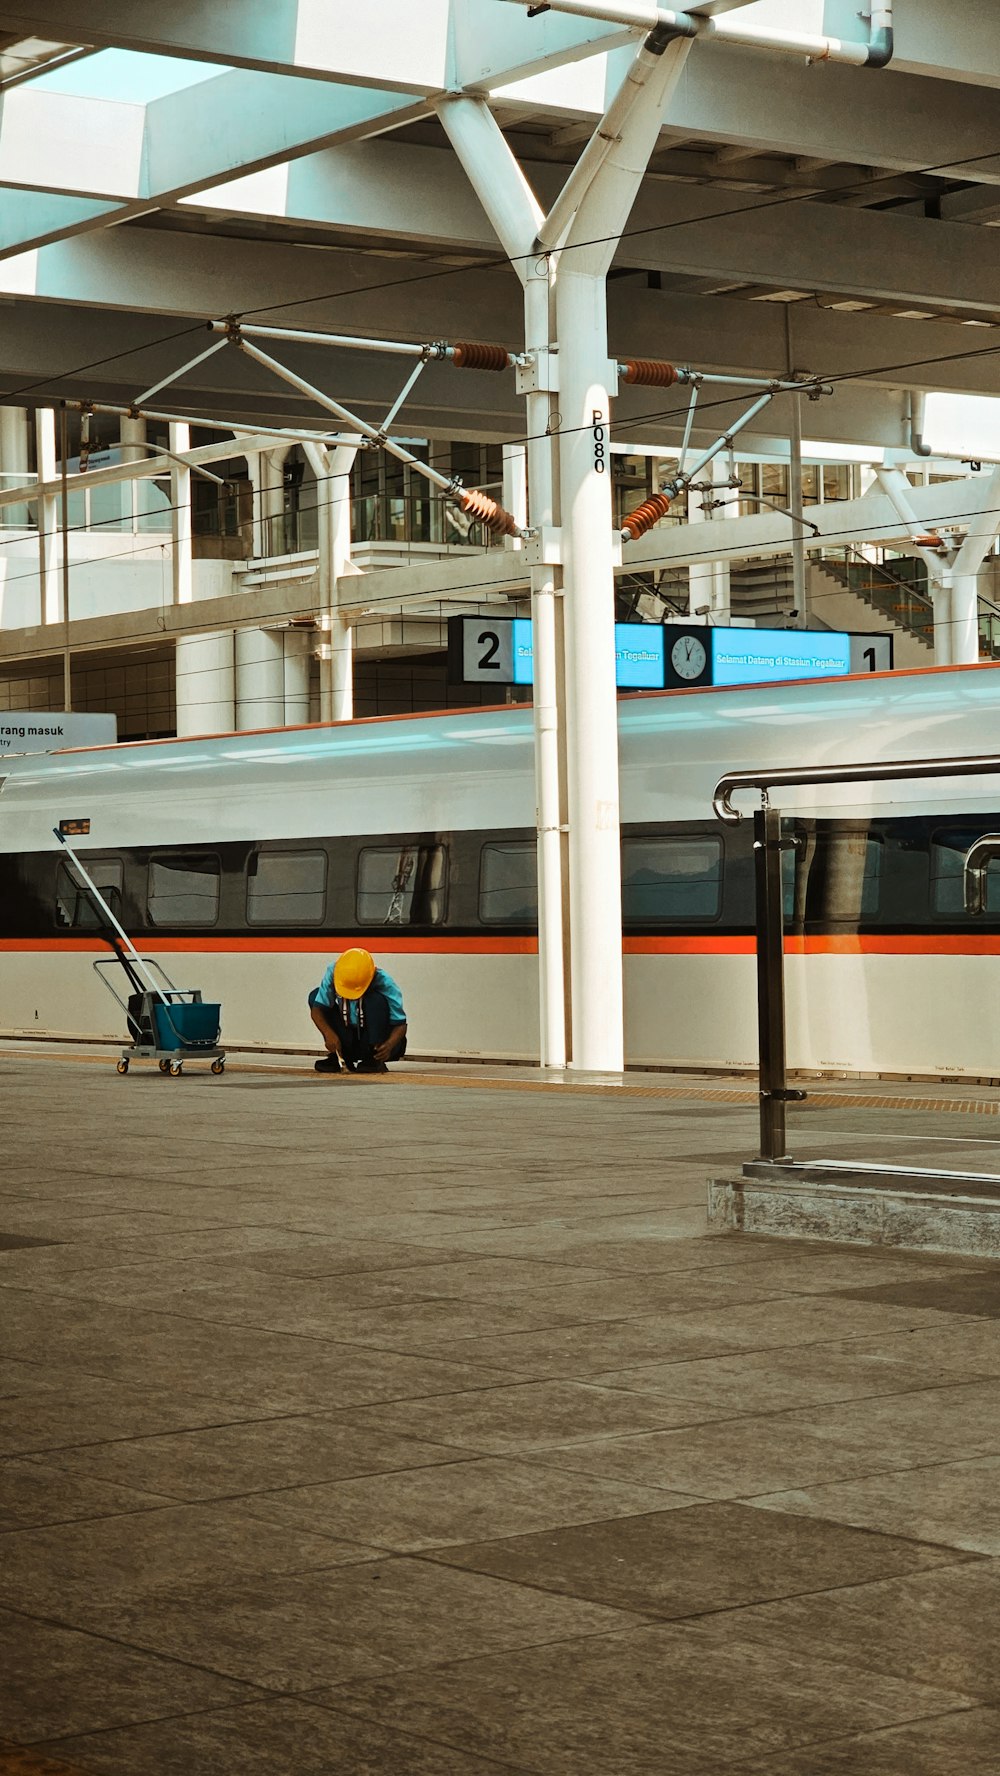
x: 50, y: 580
x: 298, y: 653
x: 133, y: 449
x: 979, y: 539
x: 205, y: 684
x: 268, y: 499
x: 576, y: 241
x: 14, y: 457
x: 515, y: 488
x: 595, y: 203
x: 182, y: 558
x: 260, y: 678
x: 939, y: 566
x: 517, y: 216
x: 708, y: 581
x: 332, y: 469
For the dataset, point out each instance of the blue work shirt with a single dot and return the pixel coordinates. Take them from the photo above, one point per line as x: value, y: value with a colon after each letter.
x: 382, y: 983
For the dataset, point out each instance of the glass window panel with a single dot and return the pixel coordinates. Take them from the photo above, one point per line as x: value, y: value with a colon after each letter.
x: 948, y: 854
x: 402, y: 885
x: 670, y: 879
x: 183, y: 890
x: 286, y: 888
x: 820, y: 878
x: 73, y: 909
x: 508, y: 884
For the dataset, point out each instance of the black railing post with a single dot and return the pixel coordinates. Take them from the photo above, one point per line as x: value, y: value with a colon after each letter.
x: 770, y: 981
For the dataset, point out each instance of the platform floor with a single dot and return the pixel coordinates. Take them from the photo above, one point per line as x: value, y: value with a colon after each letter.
x: 417, y: 1427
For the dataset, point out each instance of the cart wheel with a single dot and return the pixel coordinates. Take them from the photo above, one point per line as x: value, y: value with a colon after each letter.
x: 164, y: 1066
x: 121, y: 1066
x: 218, y: 1066
x: 175, y: 1069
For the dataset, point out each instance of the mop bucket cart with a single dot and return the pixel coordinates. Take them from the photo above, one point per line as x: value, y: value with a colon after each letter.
x: 168, y: 1024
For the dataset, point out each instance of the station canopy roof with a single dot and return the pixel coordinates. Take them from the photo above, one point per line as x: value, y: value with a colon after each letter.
x: 161, y: 166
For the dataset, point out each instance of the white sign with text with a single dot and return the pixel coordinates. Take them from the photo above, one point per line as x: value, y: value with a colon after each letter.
x: 49, y: 731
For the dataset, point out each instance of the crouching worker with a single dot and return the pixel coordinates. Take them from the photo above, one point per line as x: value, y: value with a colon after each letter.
x: 358, y: 1010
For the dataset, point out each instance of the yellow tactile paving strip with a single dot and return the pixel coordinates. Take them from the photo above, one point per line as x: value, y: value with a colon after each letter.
x: 474, y: 1080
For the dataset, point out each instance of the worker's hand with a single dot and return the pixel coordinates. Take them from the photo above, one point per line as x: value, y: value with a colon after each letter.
x: 383, y: 1050
x: 333, y: 1047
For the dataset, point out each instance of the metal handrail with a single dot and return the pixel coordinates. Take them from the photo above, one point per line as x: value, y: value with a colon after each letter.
x: 769, y: 915
x: 977, y: 860
x: 976, y: 765
x: 878, y: 567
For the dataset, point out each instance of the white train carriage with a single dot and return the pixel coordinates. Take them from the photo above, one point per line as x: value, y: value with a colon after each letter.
x: 244, y: 862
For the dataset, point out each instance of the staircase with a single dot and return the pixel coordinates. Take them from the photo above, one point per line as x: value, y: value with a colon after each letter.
x: 858, y: 595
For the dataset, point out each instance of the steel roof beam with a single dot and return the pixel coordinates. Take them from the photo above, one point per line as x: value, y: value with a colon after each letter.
x: 143, y: 157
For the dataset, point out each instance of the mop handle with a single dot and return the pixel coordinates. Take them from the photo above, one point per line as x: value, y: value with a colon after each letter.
x: 133, y: 954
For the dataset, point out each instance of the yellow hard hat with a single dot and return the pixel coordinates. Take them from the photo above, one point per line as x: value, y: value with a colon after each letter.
x: 353, y: 974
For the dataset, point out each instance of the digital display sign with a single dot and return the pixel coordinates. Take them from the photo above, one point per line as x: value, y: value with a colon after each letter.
x: 639, y: 655
x: 675, y: 655
x: 767, y: 656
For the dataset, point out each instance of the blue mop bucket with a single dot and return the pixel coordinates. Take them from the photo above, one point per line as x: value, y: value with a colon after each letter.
x: 187, y: 1026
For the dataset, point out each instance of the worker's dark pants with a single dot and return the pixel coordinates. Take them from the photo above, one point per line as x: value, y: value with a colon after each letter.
x: 360, y: 1045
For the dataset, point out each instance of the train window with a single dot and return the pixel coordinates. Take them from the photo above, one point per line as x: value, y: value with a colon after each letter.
x: 948, y: 854
x: 183, y: 889
x: 402, y: 885
x: 286, y: 888
x: 833, y: 873
x: 508, y: 883
x: 73, y: 909
x: 669, y: 879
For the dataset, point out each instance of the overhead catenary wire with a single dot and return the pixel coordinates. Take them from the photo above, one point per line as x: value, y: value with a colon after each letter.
x: 501, y: 260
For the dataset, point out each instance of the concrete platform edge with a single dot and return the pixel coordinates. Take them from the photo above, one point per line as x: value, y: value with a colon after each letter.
x: 851, y: 1214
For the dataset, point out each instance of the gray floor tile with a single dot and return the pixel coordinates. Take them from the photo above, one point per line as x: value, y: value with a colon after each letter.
x: 936, y: 1627
x: 34, y: 1492
x: 253, y: 1457
x: 636, y: 1704
x: 433, y: 1507
x: 61, y: 1570
x: 740, y: 1457
x: 960, y: 1744
x: 957, y: 1503
x: 87, y: 1409
x: 780, y: 1380
x: 962, y: 1292
x: 302, y: 1630
x: 534, y: 1415
x: 697, y: 1559
x: 275, y: 1738
x: 55, y: 1681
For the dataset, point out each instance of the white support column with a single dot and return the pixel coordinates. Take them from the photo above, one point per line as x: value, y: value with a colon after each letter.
x: 964, y: 619
x: 893, y: 482
x: 180, y: 517
x: 621, y: 148
x: 260, y: 678
x: 979, y: 539
x: 516, y: 216
x: 50, y: 587
x: 298, y: 652
x: 515, y: 488
x: 332, y: 469
x: 587, y: 217
x: 591, y: 690
x: 14, y: 471
x: 708, y: 581
x: 205, y: 684
x: 133, y: 443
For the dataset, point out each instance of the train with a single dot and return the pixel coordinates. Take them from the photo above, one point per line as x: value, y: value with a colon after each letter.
x: 244, y: 862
